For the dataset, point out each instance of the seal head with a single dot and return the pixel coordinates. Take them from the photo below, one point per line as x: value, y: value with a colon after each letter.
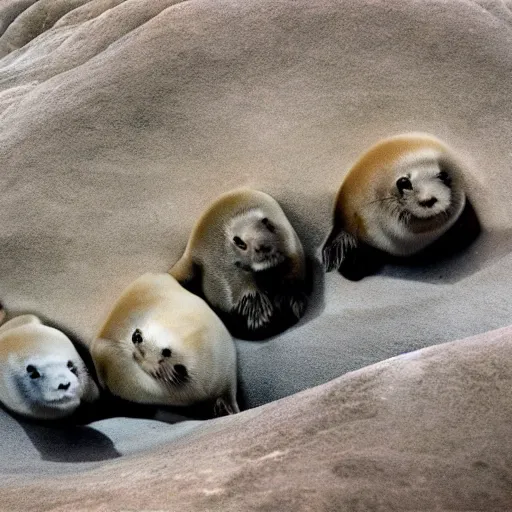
x: 50, y: 383
x: 41, y: 373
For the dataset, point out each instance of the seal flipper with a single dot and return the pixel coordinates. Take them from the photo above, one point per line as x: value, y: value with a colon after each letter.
x: 361, y: 261
x: 256, y: 308
x: 225, y: 406
x: 298, y: 302
x: 293, y: 299
x: 337, y: 248
x: 188, y: 274
x: 183, y: 270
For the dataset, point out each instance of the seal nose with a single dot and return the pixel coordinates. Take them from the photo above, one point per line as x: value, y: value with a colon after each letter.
x: 65, y: 386
x: 265, y: 249
x: 428, y: 203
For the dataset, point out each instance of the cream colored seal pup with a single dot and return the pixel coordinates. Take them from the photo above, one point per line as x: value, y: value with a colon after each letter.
x: 246, y: 259
x: 163, y: 345
x: 41, y: 374
x: 399, y: 197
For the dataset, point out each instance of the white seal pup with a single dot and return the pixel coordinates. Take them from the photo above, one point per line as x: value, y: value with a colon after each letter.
x: 41, y: 374
x: 246, y: 260
x: 163, y: 345
x: 399, y: 197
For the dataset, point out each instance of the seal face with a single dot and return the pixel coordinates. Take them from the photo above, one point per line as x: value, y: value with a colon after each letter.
x: 163, y: 345
x: 49, y: 383
x: 256, y: 242
x: 400, y: 196
x: 423, y: 193
x: 246, y: 260
x: 41, y: 373
x: 161, y: 363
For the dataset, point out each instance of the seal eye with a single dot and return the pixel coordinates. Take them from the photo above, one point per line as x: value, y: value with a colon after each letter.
x: 32, y: 371
x: 403, y: 184
x: 240, y: 243
x: 268, y: 225
x: 166, y: 352
x: 444, y: 177
x: 72, y: 367
x: 137, y: 337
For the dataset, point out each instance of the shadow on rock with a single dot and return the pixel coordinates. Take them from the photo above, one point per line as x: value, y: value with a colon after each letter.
x: 64, y: 442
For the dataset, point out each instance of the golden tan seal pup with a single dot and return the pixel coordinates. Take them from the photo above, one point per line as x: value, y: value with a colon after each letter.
x: 41, y: 374
x: 246, y: 260
x: 399, y: 197
x: 163, y: 345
